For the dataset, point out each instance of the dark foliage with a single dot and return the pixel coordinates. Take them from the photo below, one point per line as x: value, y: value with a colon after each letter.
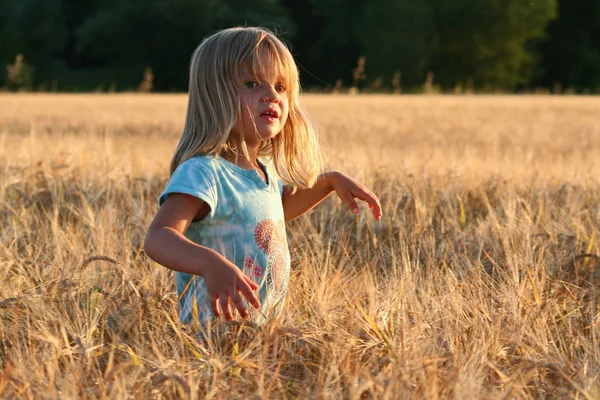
x: 499, y: 44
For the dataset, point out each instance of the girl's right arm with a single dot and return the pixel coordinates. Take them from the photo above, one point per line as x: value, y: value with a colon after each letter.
x: 166, y: 244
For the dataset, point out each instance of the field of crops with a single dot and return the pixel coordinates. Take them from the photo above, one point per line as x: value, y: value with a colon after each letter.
x: 481, y: 280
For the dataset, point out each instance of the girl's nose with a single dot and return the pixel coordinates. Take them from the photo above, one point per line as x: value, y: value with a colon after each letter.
x: 271, y: 95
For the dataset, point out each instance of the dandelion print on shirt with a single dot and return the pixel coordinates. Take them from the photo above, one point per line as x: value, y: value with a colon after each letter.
x: 271, y: 240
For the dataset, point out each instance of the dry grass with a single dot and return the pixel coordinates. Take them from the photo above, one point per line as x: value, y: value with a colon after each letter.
x: 481, y: 280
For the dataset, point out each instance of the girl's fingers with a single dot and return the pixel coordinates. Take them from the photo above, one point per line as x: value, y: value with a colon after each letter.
x: 248, y: 293
x: 373, y: 202
x: 213, y: 305
x: 239, y: 304
x: 348, y: 198
x: 224, y: 304
x: 348, y: 189
x: 249, y: 281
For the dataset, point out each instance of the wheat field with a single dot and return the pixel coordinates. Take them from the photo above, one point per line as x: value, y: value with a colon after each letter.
x: 481, y: 281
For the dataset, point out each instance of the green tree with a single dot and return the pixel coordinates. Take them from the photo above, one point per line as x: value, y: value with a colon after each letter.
x: 324, y: 45
x: 75, y: 13
x: 397, y: 35
x: 487, y: 40
x: 36, y: 29
x: 570, y: 56
x: 130, y: 35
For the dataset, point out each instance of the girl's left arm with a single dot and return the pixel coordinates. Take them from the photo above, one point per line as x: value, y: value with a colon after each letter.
x: 346, y: 187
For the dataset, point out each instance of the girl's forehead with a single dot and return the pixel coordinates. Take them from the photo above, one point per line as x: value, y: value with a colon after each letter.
x: 265, y: 64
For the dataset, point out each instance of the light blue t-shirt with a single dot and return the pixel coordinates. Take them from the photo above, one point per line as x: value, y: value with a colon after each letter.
x: 245, y: 224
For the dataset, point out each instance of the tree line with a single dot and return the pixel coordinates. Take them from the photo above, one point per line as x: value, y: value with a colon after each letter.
x: 384, y: 45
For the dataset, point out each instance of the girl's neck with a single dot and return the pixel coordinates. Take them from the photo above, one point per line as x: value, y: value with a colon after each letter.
x: 238, y: 157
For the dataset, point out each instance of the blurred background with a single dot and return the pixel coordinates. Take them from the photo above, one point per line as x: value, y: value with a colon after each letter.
x: 408, y: 46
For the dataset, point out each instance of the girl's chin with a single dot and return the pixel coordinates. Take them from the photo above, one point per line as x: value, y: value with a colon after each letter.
x: 270, y: 136
x: 261, y: 136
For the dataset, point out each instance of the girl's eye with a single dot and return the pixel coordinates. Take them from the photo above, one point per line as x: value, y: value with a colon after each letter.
x: 251, y: 84
x: 280, y: 87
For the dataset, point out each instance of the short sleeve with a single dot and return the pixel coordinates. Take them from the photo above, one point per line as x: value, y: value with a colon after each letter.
x: 194, y: 178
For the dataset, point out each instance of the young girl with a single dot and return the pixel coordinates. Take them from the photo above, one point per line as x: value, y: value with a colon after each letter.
x: 220, y: 225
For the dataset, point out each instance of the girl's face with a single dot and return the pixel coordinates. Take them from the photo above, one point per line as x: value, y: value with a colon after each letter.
x: 264, y: 107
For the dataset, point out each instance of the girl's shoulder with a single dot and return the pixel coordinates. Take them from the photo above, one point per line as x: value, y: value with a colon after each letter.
x: 197, y: 177
x: 208, y: 160
x: 205, y: 163
x: 198, y: 170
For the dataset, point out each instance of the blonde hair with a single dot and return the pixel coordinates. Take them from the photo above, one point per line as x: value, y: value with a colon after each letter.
x: 214, y: 104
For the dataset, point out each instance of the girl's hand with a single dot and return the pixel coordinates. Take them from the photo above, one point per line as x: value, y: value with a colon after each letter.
x: 348, y: 189
x: 224, y: 282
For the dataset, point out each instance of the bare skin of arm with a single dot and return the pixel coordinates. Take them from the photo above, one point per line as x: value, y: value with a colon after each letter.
x: 166, y: 244
x: 346, y: 187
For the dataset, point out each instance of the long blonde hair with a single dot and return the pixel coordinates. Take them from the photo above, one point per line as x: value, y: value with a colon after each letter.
x: 214, y: 104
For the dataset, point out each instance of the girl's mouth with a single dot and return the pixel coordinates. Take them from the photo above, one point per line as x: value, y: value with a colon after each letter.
x: 269, y: 115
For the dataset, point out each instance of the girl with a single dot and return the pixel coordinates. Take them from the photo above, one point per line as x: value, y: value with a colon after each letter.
x: 220, y: 225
